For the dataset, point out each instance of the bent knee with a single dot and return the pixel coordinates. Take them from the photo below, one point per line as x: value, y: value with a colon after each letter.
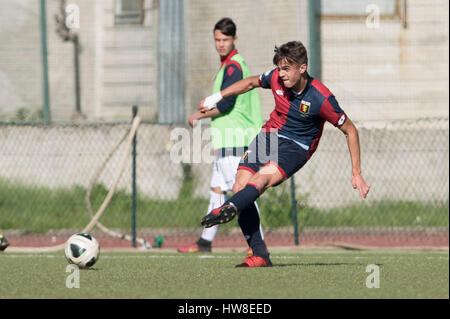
x: 238, y: 186
x: 242, y: 178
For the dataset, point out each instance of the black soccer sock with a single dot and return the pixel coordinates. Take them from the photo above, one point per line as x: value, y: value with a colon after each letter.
x: 249, y: 222
x: 203, y: 242
x: 245, y: 197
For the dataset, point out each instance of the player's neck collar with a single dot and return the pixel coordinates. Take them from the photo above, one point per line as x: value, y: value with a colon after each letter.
x: 224, y: 60
x: 308, y: 83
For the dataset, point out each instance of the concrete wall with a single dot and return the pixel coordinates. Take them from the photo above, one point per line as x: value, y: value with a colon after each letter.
x: 20, y: 59
x: 66, y: 156
x: 402, y: 161
x: 117, y: 62
x: 128, y: 65
x: 390, y: 72
x: 377, y: 74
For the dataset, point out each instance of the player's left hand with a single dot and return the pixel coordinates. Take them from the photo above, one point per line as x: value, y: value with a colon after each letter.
x: 359, y: 183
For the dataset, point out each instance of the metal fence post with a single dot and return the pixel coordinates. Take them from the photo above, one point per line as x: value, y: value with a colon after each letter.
x: 294, y: 211
x: 315, y: 52
x: 45, y: 84
x: 133, y: 185
x: 76, y: 45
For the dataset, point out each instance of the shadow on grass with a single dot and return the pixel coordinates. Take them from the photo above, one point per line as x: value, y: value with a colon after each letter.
x: 90, y: 269
x: 320, y: 264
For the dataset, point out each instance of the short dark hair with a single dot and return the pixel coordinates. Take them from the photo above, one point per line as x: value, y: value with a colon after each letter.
x: 226, y: 26
x: 292, y: 52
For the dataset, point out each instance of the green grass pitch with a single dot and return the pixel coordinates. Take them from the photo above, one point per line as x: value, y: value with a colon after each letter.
x: 296, y: 274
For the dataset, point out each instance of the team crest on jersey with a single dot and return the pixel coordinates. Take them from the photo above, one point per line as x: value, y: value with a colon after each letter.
x: 305, y: 106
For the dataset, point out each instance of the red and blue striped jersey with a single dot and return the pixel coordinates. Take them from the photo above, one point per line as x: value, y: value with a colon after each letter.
x: 300, y: 117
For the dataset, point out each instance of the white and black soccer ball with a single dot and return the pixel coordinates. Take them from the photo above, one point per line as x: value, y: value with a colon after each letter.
x: 82, y: 250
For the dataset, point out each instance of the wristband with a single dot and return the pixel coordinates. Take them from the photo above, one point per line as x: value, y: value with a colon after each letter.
x: 211, y: 101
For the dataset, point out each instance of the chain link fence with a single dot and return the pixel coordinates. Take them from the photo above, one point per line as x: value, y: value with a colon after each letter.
x: 98, y: 65
x: 47, y: 170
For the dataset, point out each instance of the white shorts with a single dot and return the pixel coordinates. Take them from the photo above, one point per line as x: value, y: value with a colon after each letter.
x: 224, y: 172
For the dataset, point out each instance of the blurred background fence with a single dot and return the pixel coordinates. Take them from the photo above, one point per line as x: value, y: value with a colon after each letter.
x: 70, y: 70
x: 46, y: 171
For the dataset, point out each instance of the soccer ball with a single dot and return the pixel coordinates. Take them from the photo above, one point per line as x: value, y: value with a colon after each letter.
x: 82, y: 250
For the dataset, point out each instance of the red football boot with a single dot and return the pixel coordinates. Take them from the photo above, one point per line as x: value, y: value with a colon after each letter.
x: 255, y: 261
x: 195, y: 248
x: 220, y: 215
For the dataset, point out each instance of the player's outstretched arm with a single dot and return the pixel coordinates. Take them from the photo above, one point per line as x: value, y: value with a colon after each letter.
x: 240, y: 87
x: 193, y: 118
x: 351, y: 133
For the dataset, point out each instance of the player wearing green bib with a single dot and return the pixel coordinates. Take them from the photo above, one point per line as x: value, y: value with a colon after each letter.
x: 239, y: 125
x: 234, y: 123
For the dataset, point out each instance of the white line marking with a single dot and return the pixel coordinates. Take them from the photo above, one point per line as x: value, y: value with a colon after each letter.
x: 219, y: 257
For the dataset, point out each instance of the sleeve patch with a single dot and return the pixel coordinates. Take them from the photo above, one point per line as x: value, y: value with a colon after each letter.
x: 341, y: 120
x: 265, y: 79
x: 230, y: 71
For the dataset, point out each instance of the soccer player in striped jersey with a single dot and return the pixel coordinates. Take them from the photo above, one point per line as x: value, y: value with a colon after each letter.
x: 235, y: 121
x: 290, y: 137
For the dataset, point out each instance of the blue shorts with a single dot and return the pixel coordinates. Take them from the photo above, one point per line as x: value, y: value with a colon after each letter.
x: 267, y: 148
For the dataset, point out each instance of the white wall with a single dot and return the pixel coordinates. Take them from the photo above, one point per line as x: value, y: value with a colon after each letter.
x: 390, y: 72
x: 376, y: 74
